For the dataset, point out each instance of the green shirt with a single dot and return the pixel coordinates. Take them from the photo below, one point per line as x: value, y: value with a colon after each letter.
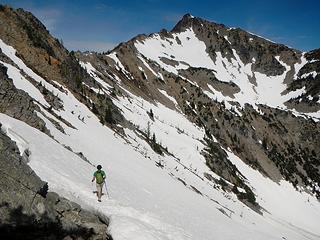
x: 100, y: 176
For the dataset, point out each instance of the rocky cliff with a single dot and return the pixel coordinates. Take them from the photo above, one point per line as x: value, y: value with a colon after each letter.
x: 29, y: 211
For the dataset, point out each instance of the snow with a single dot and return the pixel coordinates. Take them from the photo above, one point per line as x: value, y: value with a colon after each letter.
x: 268, y: 192
x: 141, y: 69
x: 151, y: 70
x: 160, y: 76
x: 192, y: 52
x: 261, y: 37
x: 172, y: 99
x: 314, y: 60
x: 226, y: 38
x: 146, y: 202
x: 93, y: 73
x: 255, y: 87
x: 218, y: 96
x: 149, y: 202
x: 309, y: 97
x: 314, y: 115
x: 11, y: 53
x: 21, y: 143
x: 269, y: 89
x: 312, y: 74
x: 172, y: 129
x: 155, y: 48
x: 119, y: 65
x: 298, y: 66
x: 96, y: 90
x: 116, y: 78
x: 22, y: 83
x: 159, y: 208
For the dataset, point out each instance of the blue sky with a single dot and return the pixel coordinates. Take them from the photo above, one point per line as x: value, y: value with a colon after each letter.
x: 100, y: 25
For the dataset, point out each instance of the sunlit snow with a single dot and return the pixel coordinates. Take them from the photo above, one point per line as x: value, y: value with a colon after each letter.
x: 148, y: 201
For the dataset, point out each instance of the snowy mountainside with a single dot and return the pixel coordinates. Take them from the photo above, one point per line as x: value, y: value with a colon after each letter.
x: 308, y: 77
x: 262, y: 71
x: 232, y: 83
x: 183, y: 159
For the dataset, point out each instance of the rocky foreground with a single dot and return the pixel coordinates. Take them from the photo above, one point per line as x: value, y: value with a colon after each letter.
x: 29, y: 211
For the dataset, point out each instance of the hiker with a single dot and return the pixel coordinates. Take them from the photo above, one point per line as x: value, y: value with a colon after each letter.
x: 99, y: 176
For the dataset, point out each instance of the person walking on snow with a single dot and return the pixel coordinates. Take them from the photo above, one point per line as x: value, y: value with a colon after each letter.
x: 99, y: 176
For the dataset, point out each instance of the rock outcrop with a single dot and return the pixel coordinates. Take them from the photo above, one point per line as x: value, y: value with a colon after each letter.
x: 29, y: 211
x: 17, y: 103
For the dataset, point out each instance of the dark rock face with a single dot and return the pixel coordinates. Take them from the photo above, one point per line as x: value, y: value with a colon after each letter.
x: 219, y: 38
x: 17, y: 103
x: 29, y: 211
x: 47, y: 57
x: 309, y: 78
x: 32, y: 41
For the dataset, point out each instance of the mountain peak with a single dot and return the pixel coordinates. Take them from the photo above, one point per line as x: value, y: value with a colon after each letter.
x: 189, y: 20
x: 187, y: 15
x: 185, y: 22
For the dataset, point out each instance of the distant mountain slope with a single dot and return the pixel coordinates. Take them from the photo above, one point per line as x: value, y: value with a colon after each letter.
x: 195, y: 127
x: 216, y: 75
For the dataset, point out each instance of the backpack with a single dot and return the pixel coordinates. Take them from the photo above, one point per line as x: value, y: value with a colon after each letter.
x: 99, y: 176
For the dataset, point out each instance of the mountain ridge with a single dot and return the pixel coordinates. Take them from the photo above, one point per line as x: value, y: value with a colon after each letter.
x: 186, y: 21
x: 180, y: 106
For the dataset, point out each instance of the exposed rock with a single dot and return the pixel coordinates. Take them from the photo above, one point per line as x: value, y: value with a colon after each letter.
x: 17, y: 103
x: 29, y: 211
x: 47, y: 57
x: 308, y: 79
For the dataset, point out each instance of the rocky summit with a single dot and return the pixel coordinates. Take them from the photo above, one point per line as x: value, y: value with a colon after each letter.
x: 200, y: 130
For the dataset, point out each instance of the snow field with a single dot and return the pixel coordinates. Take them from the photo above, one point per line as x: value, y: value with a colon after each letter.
x: 154, y: 48
x: 93, y: 73
x: 192, y: 52
x: 147, y: 201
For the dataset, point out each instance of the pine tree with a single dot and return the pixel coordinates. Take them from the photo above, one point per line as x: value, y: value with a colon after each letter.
x: 108, y: 116
x: 148, y: 131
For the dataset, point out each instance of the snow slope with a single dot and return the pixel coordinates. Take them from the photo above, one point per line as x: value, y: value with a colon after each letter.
x: 147, y: 201
x: 155, y: 48
x: 255, y: 87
